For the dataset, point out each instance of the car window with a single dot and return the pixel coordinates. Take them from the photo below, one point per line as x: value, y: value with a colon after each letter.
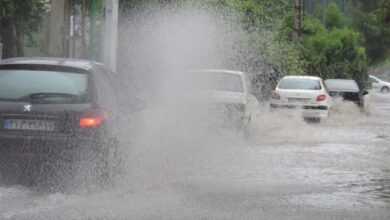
x: 304, y: 84
x: 373, y: 80
x: 325, y: 86
x: 20, y: 84
x: 216, y: 81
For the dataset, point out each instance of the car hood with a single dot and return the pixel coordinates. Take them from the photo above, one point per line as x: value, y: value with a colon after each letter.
x: 385, y: 82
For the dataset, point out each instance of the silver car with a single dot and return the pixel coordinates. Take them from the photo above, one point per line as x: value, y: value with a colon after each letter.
x: 379, y: 85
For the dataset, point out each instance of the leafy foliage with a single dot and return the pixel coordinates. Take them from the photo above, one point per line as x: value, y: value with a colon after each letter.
x: 335, y: 54
x: 383, y: 12
x: 334, y: 51
x: 334, y: 17
x: 22, y: 17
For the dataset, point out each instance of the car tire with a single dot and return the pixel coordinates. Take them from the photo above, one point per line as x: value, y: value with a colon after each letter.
x: 109, y: 163
x: 87, y: 167
x: 385, y: 90
x: 9, y: 172
x: 101, y: 164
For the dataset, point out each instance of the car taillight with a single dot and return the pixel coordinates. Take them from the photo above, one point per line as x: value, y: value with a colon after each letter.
x: 93, y: 118
x: 275, y: 95
x: 321, y: 97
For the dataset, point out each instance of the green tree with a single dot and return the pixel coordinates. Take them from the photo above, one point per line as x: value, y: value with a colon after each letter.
x: 334, y: 17
x: 371, y: 19
x: 383, y: 12
x: 335, y: 54
x: 334, y: 51
x: 18, y: 18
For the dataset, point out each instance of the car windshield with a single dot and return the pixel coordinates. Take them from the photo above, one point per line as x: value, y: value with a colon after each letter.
x: 41, y: 85
x: 216, y: 81
x: 303, y: 84
x: 373, y: 80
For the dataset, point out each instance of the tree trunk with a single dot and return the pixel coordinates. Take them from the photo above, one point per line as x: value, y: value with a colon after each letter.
x: 297, y: 20
x: 19, y: 39
x: 8, y: 38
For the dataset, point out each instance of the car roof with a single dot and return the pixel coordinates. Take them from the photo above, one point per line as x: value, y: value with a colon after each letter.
x: 216, y: 71
x: 342, y: 85
x: 66, y: 62
x: 302, y: 77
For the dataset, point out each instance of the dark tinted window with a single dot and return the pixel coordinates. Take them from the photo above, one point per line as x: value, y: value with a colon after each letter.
x: 54, y: 86
x: 342, y: 85
x: 304, y: 84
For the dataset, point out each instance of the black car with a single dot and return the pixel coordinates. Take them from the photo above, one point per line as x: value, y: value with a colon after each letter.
x: 55, y: 111
x: 346, y: 89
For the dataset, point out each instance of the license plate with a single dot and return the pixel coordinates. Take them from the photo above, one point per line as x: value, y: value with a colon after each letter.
x: 24, y: 124
x: 298, y: 100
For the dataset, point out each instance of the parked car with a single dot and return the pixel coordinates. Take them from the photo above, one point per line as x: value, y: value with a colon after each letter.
x: 55, y: 110
x: 379, y: 85
x: 229, y: 94
x: 347, y: 89
x: 307, y: 93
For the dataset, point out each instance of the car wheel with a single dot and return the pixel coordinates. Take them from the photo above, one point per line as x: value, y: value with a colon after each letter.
x: 87, y: 167
x: 9, y: 174
x: 108, y: 163
x: 385, y: 90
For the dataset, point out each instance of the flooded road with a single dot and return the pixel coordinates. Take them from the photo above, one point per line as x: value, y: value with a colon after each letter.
x: 338, y: 169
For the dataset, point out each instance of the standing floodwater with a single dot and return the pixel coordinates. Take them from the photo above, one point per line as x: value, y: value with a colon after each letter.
x: 290, y: 168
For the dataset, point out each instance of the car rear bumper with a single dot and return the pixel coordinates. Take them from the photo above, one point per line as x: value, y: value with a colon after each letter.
x: 44, y: 148
x: 318, y: 111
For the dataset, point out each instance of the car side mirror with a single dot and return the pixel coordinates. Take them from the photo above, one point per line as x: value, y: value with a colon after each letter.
x: 365, y: 92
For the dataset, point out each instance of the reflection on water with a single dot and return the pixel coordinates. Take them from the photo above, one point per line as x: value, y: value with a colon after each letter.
x: 381, y: 187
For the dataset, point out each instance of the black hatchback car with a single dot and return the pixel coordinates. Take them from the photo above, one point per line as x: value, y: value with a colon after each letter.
x: 347, y: 89
x: 55, y: 110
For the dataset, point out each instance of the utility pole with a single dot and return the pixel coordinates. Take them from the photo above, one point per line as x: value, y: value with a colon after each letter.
x: 92, y: 46
x: 57, y: 29
x: 297, y: 20
x: 110, y: 33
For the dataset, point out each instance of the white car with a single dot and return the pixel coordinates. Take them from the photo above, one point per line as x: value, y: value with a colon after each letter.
x: 228, y: 92
x: 306, y: 93
x: 379, y: 85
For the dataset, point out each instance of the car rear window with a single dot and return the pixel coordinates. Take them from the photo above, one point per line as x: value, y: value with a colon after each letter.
x: 48, y: 86
x: 217, y: 81
x: 303, y: 84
